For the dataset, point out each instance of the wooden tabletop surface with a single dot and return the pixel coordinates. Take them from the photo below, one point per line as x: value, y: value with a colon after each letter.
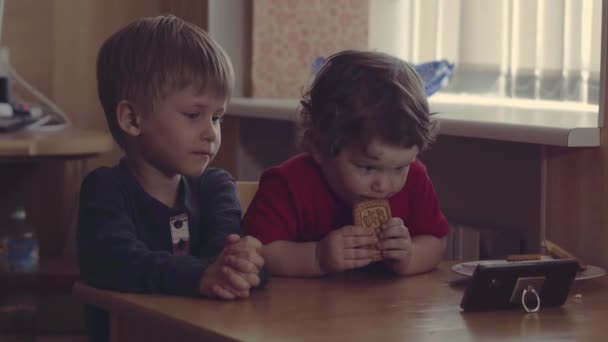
x: 357, y: 306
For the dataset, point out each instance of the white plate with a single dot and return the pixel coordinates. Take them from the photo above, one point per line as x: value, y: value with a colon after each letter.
x: 467, y: 268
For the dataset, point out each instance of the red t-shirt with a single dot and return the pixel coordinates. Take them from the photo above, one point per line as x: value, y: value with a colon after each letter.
x: 294, y: 203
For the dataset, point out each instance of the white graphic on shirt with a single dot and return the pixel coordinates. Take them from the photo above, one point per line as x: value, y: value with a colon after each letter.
x: 180, y: 234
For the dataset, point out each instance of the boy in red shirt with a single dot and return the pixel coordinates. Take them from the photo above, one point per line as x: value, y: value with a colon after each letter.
x: 363, y: 123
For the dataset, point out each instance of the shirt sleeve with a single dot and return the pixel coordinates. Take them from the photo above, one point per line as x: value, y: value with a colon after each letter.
x: 220, y: 211
x: 221, y: 214
x: 112, y: 257
x: 426, y: 217
x: 271, y: 216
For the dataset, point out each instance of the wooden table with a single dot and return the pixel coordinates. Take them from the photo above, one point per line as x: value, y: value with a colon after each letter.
x: 353, y: 306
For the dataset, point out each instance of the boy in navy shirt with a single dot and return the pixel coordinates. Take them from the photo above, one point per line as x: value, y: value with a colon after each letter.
x: 160, y: 221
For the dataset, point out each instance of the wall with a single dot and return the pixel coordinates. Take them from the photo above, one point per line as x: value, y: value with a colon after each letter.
x: 576, y: 182
x: 576, y: 203
x: 228, y: 20
x: 288, y: 34
x: 492, y: 185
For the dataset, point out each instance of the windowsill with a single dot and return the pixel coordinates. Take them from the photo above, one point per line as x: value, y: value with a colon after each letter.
x: 495, y: 122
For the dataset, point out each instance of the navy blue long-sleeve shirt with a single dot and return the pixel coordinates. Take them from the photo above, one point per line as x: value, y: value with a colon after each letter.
x: 125, y: 238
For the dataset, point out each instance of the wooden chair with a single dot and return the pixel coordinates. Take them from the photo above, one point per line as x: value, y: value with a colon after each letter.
x: 246, y: 192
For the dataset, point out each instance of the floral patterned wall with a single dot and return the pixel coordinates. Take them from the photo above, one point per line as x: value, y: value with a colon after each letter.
x: 288, y: 34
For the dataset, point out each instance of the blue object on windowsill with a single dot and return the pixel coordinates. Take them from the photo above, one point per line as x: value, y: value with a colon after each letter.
x: 434, y: 74
x: 317, y: 63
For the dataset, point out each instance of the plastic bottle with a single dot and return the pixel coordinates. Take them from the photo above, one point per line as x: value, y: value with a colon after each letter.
x: 21, y: 243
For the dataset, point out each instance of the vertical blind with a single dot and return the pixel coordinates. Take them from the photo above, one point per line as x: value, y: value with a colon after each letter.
x: 539, y: 49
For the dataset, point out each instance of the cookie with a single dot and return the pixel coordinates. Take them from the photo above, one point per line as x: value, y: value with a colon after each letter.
x: 523, y: 257
x: 372, y: 214
x: 558, y: 252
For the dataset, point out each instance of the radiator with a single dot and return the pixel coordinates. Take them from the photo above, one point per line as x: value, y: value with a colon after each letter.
x: 463, y: 243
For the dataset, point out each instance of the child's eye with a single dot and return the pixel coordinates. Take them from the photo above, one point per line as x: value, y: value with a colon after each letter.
x: 218, y: 119
x: 402, y: 168
x: 191, y: 115
x: 366, y: 168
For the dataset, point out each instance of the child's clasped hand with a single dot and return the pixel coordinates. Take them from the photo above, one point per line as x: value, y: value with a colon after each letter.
x: 235, y: 271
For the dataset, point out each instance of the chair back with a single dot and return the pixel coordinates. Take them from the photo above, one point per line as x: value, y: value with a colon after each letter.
x: 246, y: 192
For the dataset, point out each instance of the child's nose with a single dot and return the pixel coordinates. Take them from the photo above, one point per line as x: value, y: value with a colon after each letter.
x: 208, y: 131
x: 381, y: 184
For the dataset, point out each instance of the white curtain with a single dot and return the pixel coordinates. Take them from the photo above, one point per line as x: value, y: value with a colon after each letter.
x: 541, y: 49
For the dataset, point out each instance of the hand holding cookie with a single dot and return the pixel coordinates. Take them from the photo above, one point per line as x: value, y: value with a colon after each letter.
x: 345, y: 248
x: 394, y: 241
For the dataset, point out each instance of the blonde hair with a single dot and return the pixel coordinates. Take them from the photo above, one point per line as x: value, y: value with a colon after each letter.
x: 154, y: 56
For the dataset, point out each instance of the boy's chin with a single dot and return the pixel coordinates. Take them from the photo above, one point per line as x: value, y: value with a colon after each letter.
x: 192, y: 174
x: 194, y: 171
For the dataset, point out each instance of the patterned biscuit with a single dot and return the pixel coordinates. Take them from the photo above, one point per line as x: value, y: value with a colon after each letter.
x: 372, y: 214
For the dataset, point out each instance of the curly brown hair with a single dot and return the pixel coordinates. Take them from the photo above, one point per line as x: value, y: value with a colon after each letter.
x: 151, y: 57
x: 358, y: 96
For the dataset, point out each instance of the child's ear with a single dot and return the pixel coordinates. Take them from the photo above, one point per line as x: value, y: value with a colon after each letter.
x: 128, y: 118
x: 315, y: 153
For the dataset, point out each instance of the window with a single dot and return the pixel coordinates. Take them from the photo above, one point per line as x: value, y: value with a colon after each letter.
x: 543, y: 50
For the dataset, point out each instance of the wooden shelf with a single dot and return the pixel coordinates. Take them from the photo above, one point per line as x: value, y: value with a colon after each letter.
x: 69, y: 142
x: 551, y: 127
x: 54, y: 275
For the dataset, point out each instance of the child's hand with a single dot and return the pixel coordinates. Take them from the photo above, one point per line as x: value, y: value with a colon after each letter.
x: 244, y: 255
x: 346, y: 248
x: 223, y: 282
x: 235, y: 271
x: 395, y: 242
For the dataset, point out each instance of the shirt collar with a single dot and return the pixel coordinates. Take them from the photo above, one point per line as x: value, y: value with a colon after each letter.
x: 185, y: 199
